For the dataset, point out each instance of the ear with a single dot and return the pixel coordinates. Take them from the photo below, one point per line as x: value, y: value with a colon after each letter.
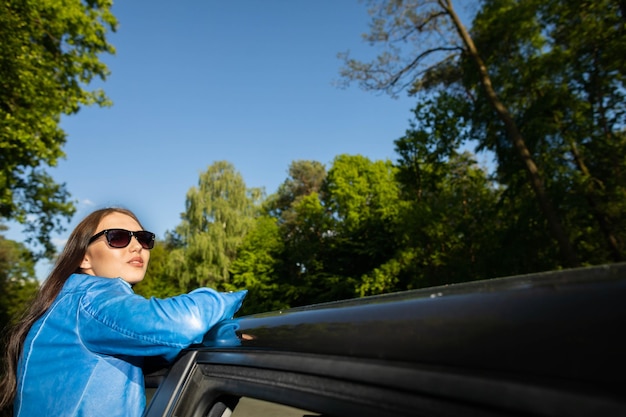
x: 86, y: 263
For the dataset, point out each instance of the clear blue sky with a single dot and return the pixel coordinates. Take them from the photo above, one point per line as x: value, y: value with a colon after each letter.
x: 249, y: 82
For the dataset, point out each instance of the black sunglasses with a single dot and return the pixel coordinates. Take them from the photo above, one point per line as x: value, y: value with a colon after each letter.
x: 120, y: 238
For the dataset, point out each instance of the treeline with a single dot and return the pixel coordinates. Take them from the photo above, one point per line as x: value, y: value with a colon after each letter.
x: 538, y: 84
x: 361, y: 227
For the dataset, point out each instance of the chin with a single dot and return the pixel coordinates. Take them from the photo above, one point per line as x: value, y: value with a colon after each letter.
x: 133, y: 280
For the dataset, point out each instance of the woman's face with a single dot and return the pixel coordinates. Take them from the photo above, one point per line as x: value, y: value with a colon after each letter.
x: 129, y: 263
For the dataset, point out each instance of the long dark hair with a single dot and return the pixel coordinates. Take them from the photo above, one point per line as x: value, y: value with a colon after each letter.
x: 66, y: 264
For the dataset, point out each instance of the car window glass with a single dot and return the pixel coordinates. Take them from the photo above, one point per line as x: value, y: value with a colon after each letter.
x: 251, y: 407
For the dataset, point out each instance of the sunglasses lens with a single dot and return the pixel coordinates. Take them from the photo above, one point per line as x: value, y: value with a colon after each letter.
x: 118, y: 238
x: 146, y: 239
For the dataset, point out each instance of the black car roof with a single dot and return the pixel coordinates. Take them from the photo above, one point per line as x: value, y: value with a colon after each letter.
x: 563, y: 325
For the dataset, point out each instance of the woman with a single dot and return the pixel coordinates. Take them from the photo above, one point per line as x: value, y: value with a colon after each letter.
x: 79, y: 348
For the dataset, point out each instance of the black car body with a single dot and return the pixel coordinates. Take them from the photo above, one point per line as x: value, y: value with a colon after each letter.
x: 547, y: 344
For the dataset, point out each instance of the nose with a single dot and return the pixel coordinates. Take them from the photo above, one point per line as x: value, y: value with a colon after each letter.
x: 134, y: 244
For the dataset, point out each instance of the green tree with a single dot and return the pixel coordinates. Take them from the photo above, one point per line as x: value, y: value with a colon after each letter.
x: 296, y: 207
x: 309, y: 253
x: 560, y: 72
x: 363, y: 200
x: 305, y: 177
x: 49, y: 53
x: 338, y: 231
x: 443, y: 51
x: 587, y: 41
x: 258, y: 268
x: 450, y: 221
x: 218, y: 214
x: 18, y: 284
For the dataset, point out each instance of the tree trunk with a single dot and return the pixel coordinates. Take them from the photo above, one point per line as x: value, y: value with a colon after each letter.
x: 599, y: 215
x: 568, y: 256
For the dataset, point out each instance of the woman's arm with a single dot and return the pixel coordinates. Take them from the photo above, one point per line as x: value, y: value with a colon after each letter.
x: 115, y: 321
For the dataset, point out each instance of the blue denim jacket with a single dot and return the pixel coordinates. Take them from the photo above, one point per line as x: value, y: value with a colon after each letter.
x: 83, y: 357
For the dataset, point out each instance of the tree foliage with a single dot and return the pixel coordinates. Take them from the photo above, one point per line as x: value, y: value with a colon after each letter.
x: 442, y: 42
x: 450, y: 210
x: 531, y: 83
x: 302, y: 225
x: 17, y: 279
x: 218, y: 214
x: 545, y: 99
x: 258, y: 268
x: 49, y: 52
x: 362, y: 197
x: 567, y: 86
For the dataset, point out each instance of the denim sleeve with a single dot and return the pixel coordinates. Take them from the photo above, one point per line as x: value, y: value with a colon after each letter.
x: 115, y: 321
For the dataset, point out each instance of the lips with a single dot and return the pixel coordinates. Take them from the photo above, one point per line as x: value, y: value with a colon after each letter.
x: 137, y: 261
